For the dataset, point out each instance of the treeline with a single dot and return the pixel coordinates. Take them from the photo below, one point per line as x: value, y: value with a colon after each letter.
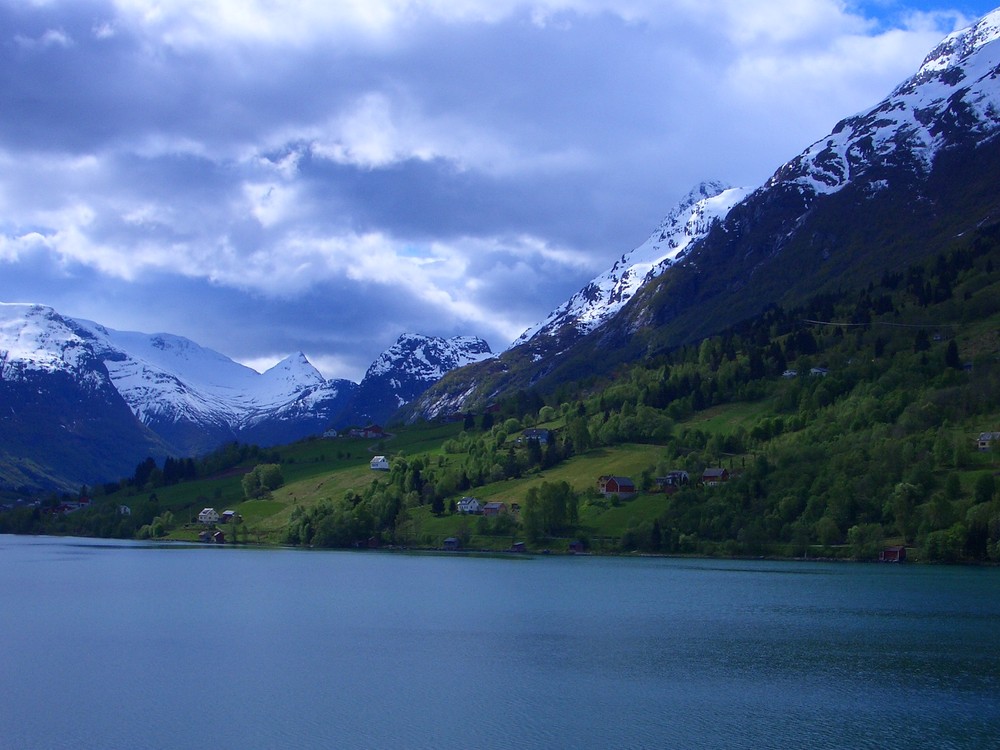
x: 129, y: 508
x: 868, y: 408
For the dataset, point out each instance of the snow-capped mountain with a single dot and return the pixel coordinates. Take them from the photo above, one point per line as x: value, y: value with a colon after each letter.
x: 62, y: 422
x: 603, y: 297
x: 407, y: 369
x: 887, y: 187
x: 192, y: 397
x: 953, y: 98
x: 197, y: 398
x: 128, y: 395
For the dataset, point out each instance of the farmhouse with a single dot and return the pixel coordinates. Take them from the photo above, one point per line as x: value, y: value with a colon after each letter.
x: 469, y: 505
x: 673, y: 481
x: 713, y: 477
x: 208, y: 516
x: 614, y: 486
x: 372, y: 431
x: 542, y: 437
x: 380, y: 463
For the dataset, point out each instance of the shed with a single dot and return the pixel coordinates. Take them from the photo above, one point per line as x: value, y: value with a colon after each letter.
x: 893, y: 554
x: 452, y: 543
x: 494, y: 509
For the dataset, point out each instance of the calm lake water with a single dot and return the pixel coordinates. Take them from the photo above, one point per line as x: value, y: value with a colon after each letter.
x: 129, y: 645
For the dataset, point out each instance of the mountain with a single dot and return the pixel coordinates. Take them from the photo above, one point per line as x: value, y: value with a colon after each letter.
x: 604, y: 297
x: 62, y: 421
x: 886, y: 188
x: 83, y: 403
x: 407, y: 369
x: 197, y: 399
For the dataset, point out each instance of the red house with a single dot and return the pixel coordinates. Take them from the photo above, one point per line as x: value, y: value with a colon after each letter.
x: 372, y: 432
x: 713, y: 477
x: 621, y: 487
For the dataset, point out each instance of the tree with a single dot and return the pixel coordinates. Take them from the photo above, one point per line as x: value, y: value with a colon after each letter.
x: 951, y: 356
x: 904, y: 502
x: 865, y: 540
x: 262, y: 479
x: 985, y: 488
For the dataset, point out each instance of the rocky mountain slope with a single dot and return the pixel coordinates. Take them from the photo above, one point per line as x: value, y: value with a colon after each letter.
x: 604, y: 297
x: 887, y: 187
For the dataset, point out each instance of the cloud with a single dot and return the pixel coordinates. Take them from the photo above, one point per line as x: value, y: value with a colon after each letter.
x: 355, y: 169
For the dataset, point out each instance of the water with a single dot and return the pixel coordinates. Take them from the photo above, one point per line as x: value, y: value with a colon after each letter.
x: 128, y: 645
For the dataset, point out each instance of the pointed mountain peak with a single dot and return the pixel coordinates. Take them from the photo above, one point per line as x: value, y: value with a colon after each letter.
x: 686, y: 224
x: 294, y: 365
x: 958, y: 46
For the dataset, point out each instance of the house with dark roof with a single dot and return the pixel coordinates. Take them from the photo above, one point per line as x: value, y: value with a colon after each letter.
x: 542, y: 437
x: 986, y: 440
x: 616, y: 486
x: 470, y: 506
x: 714, y: 476
x: 673, y: 481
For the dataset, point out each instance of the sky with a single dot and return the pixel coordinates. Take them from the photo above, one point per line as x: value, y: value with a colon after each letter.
x: 273, y: 176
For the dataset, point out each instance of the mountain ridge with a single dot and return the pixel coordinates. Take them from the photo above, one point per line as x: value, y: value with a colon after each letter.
x: 886, y: 187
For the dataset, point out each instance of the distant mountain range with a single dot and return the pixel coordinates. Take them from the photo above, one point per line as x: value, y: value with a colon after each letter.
x: 885, y: 189
x: 80, y: 402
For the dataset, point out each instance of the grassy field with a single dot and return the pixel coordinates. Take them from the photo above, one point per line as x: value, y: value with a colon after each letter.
x: 319, y: 470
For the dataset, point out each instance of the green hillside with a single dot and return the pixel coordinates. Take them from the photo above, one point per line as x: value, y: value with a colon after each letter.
x: 845, y: 425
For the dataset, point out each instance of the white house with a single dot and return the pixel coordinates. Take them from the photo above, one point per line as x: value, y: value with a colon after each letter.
x: 469, y: 505
x: 208, y: 516
x: 380, y: 463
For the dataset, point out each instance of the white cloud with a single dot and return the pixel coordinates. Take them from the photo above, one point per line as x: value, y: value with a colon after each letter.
x: 49, y: 38
x: 272, y: 203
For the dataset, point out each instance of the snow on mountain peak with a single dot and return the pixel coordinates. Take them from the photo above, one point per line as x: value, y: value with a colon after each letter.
x: 954, y: 95
x: 429, y: 357
x: 689, y: 221
x: 957, y: 46
x: 36, y: 337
